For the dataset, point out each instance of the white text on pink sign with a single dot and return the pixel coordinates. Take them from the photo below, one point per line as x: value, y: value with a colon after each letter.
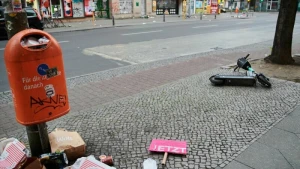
x: 170, y: 149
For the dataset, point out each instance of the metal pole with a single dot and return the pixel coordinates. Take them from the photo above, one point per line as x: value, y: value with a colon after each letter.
x: 113, y: 20
x: 42, y: 128
x: 164, y: 16
x: 231, y: 7
x: 38, y: 139
x: 260, y: 7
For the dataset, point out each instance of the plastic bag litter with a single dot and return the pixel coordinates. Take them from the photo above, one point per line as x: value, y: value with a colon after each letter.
x: 32, y: 41
x: 149, y: 164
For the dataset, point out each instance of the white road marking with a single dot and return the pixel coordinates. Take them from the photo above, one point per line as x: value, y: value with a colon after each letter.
x: 243, y: 23
x: 205, y: 26
x: 2, y: 48
x: 63, y: 41
x: 137, y: 33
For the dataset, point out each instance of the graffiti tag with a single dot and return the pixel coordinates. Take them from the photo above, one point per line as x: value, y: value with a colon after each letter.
x: 50, y: 102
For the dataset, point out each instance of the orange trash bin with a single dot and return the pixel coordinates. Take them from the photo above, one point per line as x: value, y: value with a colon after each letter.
x: 36, y: 75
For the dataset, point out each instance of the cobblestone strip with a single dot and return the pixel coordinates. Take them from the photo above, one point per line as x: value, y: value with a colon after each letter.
x: 217, y: 122
x: 96, y: 93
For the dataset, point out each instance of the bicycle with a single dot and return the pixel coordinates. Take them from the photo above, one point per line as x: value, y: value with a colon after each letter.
x: 48, y: 23
x: 57, y: 21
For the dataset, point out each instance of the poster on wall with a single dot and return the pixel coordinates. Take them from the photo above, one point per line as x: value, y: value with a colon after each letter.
x: 45, y: 8
x: 125, y: 6
x: 68, y: 11
x: 198, y: 4
x: 78, y: 8
x: 88, y: 7
x: 153, y: 5
x: 17, y: 5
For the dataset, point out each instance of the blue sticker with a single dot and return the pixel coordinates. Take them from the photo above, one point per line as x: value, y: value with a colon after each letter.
x: 42, y: 69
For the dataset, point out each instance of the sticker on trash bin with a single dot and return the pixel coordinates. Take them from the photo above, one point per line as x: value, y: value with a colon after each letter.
x: 51, y: 72
x: 50, y: 92
x: 42, y: 68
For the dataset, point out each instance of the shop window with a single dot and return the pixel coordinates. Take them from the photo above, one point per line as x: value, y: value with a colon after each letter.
x: 56, y: 9
x: 153, y: 5
x: 30, y: 12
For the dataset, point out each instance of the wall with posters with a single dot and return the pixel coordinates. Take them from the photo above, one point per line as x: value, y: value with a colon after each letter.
x: 88, y: 7
x: 78, y: 10
x: 125, y: 6
x: 45, y: 8
x: 68, y: 8
x: 122, y: 6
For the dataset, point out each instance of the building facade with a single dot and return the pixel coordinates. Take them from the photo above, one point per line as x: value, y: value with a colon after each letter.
x: 139, y: 8
x: 267, y: 5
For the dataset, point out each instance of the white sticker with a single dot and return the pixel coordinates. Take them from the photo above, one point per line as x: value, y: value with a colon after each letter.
x: 50, y: 92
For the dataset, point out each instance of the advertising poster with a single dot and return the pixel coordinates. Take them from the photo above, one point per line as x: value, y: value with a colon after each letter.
x: 17, y: 5
x: 68, y: 11
x: 45, y: 8
x: 88, y: 7
x: 78, y: 8
x: 198, y: 4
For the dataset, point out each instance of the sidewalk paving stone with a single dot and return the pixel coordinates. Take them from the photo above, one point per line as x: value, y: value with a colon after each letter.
x: 236, y: 165
x: 261, y: 156
x: 121, y: 115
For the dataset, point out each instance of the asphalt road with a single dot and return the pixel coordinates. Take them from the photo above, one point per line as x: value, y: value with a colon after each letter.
x: 77, y: 63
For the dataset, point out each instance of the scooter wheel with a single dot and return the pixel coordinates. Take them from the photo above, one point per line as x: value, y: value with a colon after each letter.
x: 215, y: 81
x: 263, y: 80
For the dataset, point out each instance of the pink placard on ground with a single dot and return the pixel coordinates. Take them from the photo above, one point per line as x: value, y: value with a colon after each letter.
x: 170, y: 146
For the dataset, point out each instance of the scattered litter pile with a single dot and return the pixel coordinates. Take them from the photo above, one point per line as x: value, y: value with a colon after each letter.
x: 69, y: 146
x: 65, y: 146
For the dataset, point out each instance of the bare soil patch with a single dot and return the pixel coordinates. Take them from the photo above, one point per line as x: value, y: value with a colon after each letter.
x: 286, y: 72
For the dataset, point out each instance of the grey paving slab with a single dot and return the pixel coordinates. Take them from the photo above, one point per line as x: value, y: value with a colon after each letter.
x: 236, y: 165
x: 295, y: 113
x: 292, y: 156
x: 291, y: 124
x: 280, y: 139
x: 260, y: 156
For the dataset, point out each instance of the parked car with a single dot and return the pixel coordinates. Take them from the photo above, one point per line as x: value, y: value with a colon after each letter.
x: 34, y: 20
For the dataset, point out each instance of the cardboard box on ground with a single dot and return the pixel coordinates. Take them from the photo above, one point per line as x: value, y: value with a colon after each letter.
x: 69, y: 142
x: 33, y: 163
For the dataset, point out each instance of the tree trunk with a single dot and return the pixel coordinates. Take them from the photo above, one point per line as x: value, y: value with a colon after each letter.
x: 282, y: 45
x: 14, y: 21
